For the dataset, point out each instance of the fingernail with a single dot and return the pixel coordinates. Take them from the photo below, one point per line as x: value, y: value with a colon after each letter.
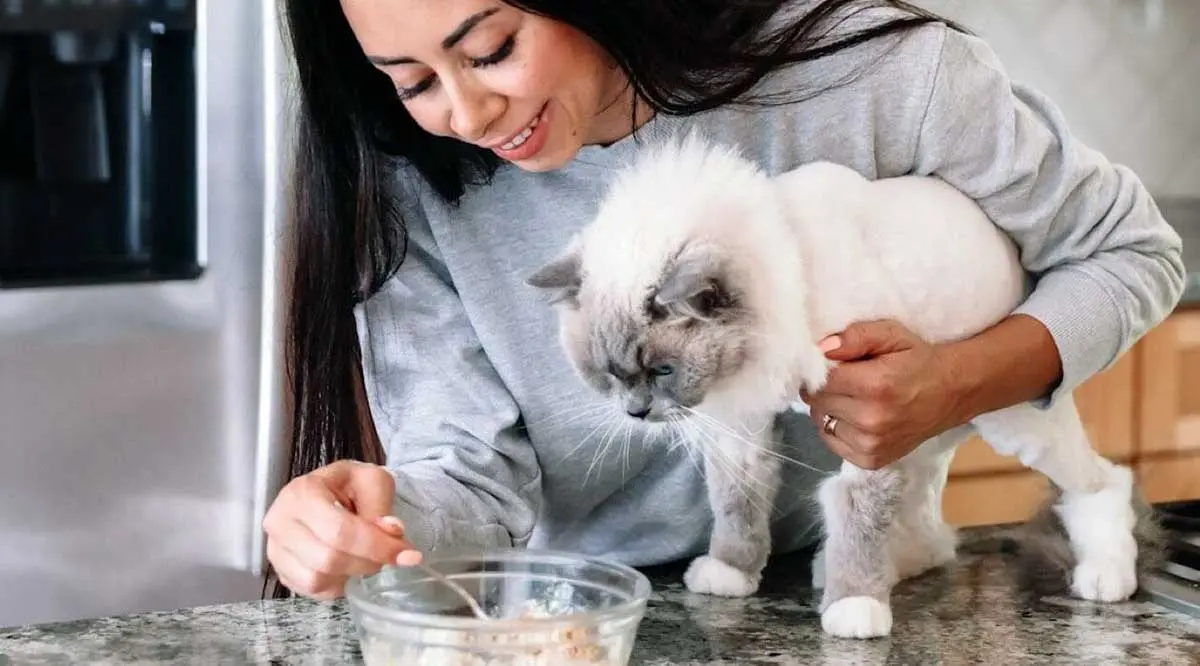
x: 830, y: 343
x: 408, y: 558
x: 391, y: 523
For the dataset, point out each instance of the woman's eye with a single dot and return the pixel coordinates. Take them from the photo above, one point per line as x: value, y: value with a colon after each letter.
x: 409, y: 92
x: 662, y: 370
x: 498, y: 55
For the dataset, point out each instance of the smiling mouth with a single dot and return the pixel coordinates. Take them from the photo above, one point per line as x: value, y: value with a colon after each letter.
x: 522, y: 136
x: 514, y: 142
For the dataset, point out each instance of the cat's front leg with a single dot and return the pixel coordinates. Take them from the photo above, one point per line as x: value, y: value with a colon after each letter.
x: 742, y: 475
x: 859, y: 507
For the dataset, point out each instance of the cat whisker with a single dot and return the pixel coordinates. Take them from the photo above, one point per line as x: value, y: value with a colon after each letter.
x: 630, y: 432
x: 754, y: 433
x: 584, y: 441
x: 572, y: 414
x: 748, y: 485
x: 754, y: 445
x: 602, y: 450
x: 679, y: 427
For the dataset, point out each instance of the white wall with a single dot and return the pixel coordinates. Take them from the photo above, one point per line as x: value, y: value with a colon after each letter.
x: 1125, y: 72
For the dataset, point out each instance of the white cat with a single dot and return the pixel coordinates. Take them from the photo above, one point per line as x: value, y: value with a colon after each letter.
x: 701, y: 290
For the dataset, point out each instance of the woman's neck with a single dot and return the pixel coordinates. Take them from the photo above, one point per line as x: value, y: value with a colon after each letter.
x: 613, y: 121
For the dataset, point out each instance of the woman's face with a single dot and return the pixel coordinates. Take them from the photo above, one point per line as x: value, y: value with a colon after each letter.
x: 529, y: 88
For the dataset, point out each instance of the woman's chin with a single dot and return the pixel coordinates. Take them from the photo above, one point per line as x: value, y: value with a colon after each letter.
x: 546, y: 161
x: 555, y: 154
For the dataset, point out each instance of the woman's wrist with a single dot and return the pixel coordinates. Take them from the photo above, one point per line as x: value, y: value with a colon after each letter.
x: 1013, y: 362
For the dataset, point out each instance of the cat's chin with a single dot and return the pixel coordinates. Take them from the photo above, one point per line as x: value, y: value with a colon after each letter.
x: 657, y: 422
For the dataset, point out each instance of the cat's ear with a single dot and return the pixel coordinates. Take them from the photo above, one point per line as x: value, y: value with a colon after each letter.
x: 562, y: 276
x: 695, y: 285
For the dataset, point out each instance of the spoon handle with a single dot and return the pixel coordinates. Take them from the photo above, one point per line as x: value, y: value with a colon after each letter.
x: 466, y: 596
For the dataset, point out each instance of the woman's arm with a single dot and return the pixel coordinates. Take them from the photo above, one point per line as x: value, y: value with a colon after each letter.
x: 1012, y: 362
x: 466, y: 474
x: 1106, y: 267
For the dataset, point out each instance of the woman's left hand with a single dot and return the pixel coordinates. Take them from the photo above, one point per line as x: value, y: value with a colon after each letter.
x: 890, y: 392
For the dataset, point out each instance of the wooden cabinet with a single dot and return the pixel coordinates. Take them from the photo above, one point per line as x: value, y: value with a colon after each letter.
x: 1168, y: 409
x: 1144, y: 411
x: 1169, y: 387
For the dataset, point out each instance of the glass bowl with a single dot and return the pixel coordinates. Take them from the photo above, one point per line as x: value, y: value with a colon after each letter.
x: 546, y: 608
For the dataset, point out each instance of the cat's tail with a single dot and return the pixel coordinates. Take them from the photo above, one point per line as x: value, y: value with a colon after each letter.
x: 1043, y: 549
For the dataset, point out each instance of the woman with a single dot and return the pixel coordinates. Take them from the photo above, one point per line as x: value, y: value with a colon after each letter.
x: 448, y: 149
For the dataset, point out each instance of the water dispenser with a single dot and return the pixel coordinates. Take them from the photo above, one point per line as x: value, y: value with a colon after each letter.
x: 98, y: 142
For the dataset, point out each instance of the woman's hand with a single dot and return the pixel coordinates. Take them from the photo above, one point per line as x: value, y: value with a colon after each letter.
x: 334, y: 523
x: 890, y: 392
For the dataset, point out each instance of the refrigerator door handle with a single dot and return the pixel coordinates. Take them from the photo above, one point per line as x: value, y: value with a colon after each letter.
x: 271, y: 454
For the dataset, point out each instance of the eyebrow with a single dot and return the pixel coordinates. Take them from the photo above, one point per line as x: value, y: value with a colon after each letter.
x: 451, y: 40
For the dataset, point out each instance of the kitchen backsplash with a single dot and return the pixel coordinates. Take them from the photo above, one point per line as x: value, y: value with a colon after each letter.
x: 1125, y: 72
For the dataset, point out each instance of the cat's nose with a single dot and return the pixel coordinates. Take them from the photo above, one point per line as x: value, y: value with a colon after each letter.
x: 638, y: 413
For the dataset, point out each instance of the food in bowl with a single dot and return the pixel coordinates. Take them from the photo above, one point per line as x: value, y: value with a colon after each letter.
x: 546, y: 609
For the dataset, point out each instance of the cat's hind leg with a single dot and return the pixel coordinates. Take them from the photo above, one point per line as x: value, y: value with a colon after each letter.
x: 1096, y: 505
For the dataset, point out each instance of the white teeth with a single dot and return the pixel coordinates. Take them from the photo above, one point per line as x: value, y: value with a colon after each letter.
x: 520, y: 139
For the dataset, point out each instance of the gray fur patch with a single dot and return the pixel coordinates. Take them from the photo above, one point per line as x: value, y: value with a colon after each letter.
x: 664, y: 363
x: 863, y: 508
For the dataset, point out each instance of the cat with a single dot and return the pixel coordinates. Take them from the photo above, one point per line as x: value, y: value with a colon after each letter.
x: 700, y: 291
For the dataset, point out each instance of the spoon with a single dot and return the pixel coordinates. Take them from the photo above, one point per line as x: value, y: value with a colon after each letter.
x: 476, y: 609
x: 466, y: 596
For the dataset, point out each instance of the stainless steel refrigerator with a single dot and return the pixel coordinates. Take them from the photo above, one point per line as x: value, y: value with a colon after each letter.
x: 139, y: 374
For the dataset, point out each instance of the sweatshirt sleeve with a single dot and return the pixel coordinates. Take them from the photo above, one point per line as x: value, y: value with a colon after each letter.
x: 466, y: 474
x: 1106, y: 266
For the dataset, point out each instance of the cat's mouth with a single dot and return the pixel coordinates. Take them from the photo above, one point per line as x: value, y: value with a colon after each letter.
x: 663, y: 416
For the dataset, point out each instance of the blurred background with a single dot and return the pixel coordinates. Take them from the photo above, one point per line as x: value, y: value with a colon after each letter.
x: 140, y: 165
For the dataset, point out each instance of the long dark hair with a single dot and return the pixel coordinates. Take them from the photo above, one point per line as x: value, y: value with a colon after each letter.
x: 350, y: 128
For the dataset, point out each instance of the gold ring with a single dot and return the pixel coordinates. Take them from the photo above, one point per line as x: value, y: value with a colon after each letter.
x: 829, y: 424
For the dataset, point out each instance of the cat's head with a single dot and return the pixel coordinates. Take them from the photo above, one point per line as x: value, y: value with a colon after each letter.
x: 656, y: 350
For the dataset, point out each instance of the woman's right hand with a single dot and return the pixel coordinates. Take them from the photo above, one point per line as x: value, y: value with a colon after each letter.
x: 333, y: 523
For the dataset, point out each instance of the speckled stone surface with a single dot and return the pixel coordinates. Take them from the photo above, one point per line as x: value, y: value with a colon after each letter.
x: 972, y: 613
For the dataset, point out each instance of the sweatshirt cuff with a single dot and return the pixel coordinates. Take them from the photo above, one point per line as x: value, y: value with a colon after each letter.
x: 419, y: 527
x: 429, y: 527
x: 1085, y: 322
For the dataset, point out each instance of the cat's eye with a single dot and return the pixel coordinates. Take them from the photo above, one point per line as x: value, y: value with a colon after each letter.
x: 662, y: 370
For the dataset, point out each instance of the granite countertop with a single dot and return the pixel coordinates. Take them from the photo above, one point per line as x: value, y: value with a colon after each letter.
x: 971, y: 613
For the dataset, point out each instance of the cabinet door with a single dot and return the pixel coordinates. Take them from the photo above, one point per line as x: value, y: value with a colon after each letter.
x: 1170, y: 478
x: 1169, y: 387
x: 993, y: 499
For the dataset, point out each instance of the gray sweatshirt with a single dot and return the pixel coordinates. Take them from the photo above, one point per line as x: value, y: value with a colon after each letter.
x: 497, y: 442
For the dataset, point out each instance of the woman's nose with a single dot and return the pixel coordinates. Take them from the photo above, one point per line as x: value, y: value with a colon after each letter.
x: 473, y: 112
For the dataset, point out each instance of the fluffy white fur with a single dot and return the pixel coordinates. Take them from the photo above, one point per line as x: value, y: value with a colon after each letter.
x: 812, y: 251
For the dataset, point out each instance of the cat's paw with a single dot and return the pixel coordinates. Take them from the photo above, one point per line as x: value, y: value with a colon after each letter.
x: 857, y: 617
x: 708, y: 575
x: 1105, y: 580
